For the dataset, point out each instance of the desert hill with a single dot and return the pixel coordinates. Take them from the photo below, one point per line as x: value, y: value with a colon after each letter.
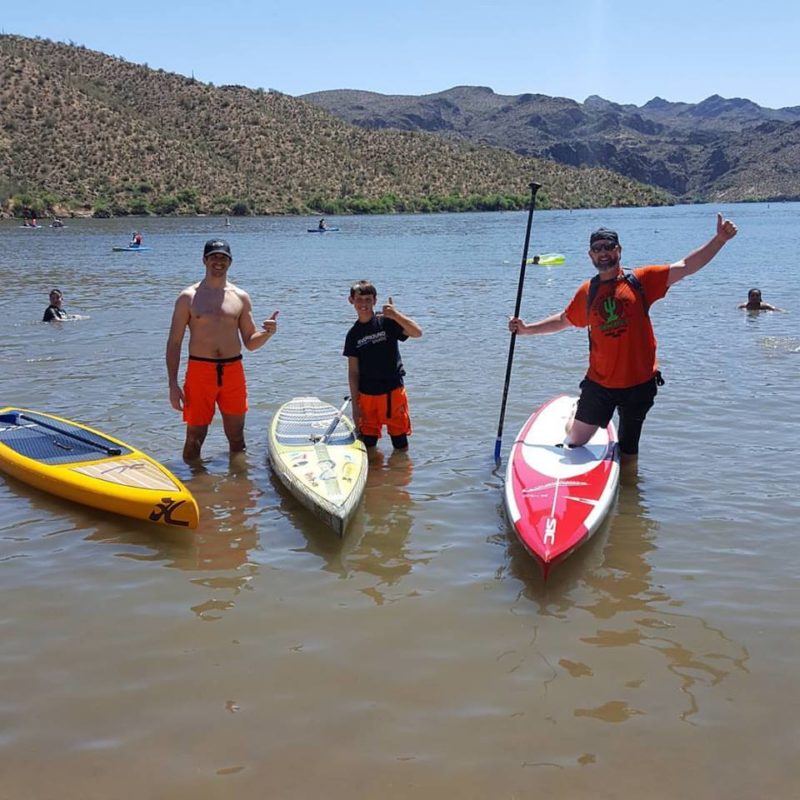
x: 85, y: 132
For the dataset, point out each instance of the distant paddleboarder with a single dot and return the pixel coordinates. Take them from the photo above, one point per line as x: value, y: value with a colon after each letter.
x: 623, y: 371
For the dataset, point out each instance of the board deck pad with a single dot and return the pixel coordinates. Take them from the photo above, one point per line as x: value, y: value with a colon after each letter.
x: 300, y: 424
x: 131, y: 472
x: 54, y: 442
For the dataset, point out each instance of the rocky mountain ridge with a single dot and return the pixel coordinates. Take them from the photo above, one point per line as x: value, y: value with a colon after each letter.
x: 716, y: 150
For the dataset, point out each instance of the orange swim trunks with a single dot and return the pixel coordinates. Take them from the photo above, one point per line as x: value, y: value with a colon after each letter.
x: 213, y: 382
x: 389, y: 409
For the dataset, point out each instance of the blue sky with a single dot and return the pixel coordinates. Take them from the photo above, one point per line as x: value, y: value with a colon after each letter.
x: 623, y: 50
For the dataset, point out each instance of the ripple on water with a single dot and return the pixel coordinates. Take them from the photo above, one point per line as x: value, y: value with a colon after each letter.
x: 424, y: 648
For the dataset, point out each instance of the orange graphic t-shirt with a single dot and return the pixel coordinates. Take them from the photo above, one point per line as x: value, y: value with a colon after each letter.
x: 623, y: 345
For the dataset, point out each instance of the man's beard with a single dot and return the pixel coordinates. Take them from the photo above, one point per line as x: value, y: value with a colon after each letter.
x: 613, y: 263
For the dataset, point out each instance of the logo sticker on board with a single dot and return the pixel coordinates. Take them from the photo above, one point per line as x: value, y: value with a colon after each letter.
x: 164, y: 510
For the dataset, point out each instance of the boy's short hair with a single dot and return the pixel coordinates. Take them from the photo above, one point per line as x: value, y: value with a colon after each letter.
x: 363, y: 287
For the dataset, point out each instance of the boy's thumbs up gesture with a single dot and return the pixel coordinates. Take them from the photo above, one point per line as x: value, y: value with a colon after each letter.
x: 389, y: 310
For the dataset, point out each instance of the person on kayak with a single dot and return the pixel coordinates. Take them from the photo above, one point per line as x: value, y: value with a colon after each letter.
x: 623, y: 370
x: 322, y: 226
x: 136, y: 239
x: 754, y: 302
x: 219, y: 317
x: 374, y: 369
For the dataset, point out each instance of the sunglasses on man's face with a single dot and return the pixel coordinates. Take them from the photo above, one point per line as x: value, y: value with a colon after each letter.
x: 603, y: 248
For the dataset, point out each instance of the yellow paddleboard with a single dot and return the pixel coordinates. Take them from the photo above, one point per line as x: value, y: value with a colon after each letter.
x: 314, y: 452
x: 547, y: 259
x: 80, y: 464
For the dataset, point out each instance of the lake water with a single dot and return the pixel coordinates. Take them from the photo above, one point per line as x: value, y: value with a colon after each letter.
x: 422, y: 656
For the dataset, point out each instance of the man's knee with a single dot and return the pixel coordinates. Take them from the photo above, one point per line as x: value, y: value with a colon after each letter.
x: 195, y: 436
x: 579, y: 433
x: 234, y: 431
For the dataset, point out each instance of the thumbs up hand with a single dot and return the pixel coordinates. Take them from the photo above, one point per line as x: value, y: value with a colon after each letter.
x: 389, y: 310
x: 726, y: 230
x: 271, y: 325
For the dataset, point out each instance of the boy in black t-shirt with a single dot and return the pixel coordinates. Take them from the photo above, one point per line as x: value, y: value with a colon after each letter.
x: 374, y: 369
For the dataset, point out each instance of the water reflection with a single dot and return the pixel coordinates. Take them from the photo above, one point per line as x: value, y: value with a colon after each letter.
x: 228, y: 502
x: 376, y: 543
x: 381, y: 548
x: 612, y: 581
x: 554, y: 596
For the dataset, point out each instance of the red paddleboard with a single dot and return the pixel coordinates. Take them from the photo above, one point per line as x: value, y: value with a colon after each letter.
x: 557, y: 496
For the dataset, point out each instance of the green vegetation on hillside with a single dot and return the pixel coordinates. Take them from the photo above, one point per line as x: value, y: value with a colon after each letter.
x: 86, y: 133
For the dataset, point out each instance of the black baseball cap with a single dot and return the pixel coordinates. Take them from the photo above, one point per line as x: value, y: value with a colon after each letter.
x: 604, y: 234
x: 217, y: 246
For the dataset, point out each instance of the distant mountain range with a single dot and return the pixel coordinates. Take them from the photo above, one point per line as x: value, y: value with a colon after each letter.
x: 86, y: 133
x: 717, y: 150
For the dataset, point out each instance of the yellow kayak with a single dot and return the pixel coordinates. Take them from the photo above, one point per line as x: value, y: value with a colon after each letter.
x: 314, y: 452
x: 78, y: 463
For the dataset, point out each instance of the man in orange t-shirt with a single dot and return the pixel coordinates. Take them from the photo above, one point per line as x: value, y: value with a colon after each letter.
x: 623, y: 370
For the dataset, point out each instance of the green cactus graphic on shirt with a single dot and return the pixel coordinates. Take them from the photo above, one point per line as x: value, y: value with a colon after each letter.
x: 613, y: 323
x: 610, y: 309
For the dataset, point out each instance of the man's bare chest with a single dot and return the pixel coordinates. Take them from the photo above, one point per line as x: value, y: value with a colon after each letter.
x: 216, y: 307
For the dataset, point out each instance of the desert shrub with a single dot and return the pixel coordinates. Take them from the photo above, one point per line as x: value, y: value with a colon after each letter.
x: 165, y: 205
x: 101, y: 210
x: 139, y: 207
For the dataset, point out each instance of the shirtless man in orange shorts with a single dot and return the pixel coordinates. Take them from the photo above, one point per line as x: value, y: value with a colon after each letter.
x: 219, y: 317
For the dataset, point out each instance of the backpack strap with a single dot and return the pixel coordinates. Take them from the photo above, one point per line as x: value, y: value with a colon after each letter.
x: 636, y: 284
x: 594, y: 285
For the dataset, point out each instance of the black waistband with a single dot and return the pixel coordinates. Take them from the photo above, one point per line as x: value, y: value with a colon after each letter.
x: 216, y: 360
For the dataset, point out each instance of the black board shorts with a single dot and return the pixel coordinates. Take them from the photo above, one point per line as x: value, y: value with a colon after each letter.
x: 597, y: 404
